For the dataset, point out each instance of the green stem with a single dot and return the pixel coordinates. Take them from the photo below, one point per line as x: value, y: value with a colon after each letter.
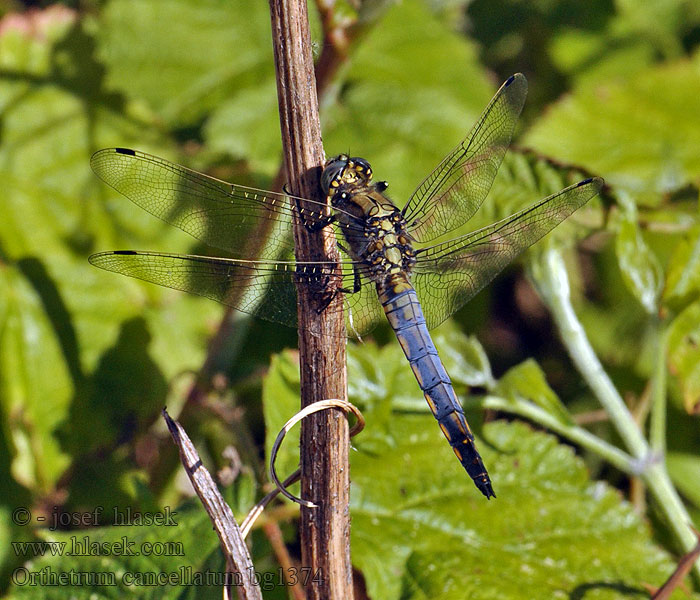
x: 657, y: 425
x: 553, y: 283
x: 571, y: 432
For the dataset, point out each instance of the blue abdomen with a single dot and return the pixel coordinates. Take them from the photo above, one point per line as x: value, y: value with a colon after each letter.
x: 406, y: 318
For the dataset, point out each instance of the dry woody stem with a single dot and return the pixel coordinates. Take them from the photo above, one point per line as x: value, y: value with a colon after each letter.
x: 325, y: 530
x: 230, y: 537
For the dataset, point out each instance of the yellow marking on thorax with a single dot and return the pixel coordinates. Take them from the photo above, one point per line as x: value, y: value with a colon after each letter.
x: 393, y: 255
x: 401, y: 286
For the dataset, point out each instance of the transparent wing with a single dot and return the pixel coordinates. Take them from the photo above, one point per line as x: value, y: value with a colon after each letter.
x: 362, y: 308
x: 452, y: 193
x: 264, y: 289
x: 449, y: 274
x: 248, y: 222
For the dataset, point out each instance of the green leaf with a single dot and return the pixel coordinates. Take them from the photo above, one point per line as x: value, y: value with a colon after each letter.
x: 685, y: 472
x: 281, y: 399
x: 636, y: 132
x: 527, y: 381
x: 684, y: 354
x: 662, y: 23
x: 35, y: 385
x: 590, y: 56
x: 639, y: 266
x: 525, y: 178
x: 198, y: 54
x: 421, y: 529
x: 248, y: 126
x: 412, y: 91
x: 55, y: 212
x: 463, y: 356
x: 683, y: 280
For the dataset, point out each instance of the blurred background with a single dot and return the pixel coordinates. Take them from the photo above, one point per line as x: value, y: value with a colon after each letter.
x: 88, y: 359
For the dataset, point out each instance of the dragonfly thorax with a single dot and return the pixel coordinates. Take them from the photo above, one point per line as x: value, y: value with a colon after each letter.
x: 374, y: 228
x: 387, y: 249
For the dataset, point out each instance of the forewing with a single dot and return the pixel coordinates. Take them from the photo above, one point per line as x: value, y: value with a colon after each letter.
x: 452, y: 193
x: 248, y: 222
x: 449, y: 274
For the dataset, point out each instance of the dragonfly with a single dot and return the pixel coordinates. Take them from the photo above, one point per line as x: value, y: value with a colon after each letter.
x: 392, y: 264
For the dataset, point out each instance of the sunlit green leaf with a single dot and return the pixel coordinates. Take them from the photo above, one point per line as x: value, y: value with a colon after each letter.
x: 683, y: 281
x: 685, y: 472
x: 527, y: 381
x: 281, y: 401
x: 640, y: 268
x: 412, y: 91
x: 247, y: 125
x: 35, y: 385
x: 593, y: 56
x: 55, y: 212
x: 637, y: 133
x: 198, y: 53
x: 463, y: 357
x: 661, y: 23
x: 684, y: 354
x: 421, y: 529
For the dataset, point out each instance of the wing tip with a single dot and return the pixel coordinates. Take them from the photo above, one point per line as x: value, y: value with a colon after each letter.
x: 513, y: 77
x: 515, y: 91
x: 97, y: 258
x: 518, y: 79
x: 126, y: 151
x: 94, y: 159
x: 595, y: 182
x: 94, y: 259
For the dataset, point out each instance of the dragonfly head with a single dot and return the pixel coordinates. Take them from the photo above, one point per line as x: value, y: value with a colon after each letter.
x: 343, y: 169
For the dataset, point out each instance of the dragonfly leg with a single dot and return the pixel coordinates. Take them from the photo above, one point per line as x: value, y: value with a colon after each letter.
x: 314, y: 226
x: 329, y: 297
x: 357, y: 279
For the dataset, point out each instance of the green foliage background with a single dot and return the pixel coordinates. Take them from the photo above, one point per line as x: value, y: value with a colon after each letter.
x: 88, y: 359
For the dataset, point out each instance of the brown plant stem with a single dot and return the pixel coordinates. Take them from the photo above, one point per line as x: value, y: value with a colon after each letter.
x: 324, y: 530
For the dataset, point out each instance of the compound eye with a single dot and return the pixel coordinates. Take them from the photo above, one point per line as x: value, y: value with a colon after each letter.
x: 333, y: 172
x: 362, y: 166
